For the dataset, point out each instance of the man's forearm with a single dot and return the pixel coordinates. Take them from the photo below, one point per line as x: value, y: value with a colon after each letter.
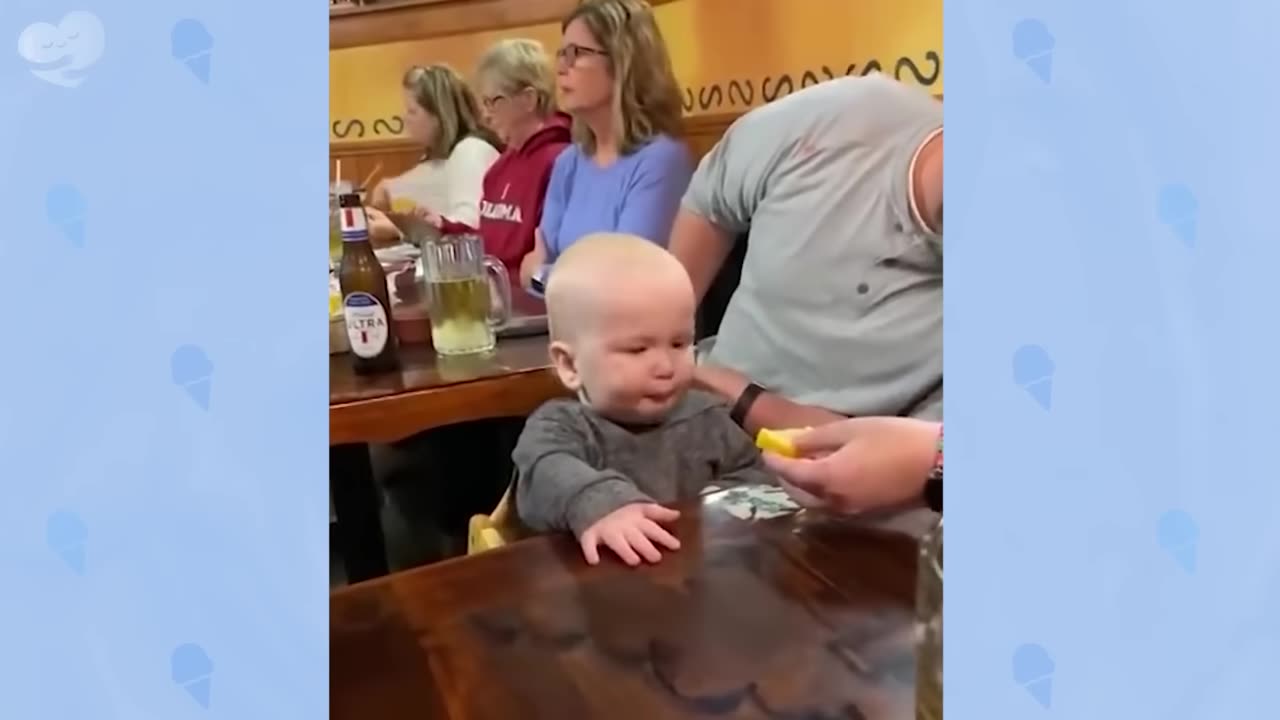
x: 768, y: 410
x: 776, y: 412
x: 701, y: 247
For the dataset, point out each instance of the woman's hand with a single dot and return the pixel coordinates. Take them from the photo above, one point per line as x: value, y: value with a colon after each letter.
x: 382, y: 232
x: 533, y: 260
x: 380, y: 197
x: 864, y: 463
x: 428, y: 217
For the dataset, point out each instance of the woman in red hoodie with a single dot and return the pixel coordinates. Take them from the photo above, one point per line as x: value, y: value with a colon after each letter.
x: 516, y: 83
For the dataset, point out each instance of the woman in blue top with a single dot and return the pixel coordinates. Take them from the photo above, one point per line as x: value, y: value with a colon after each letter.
x: 626, y: 171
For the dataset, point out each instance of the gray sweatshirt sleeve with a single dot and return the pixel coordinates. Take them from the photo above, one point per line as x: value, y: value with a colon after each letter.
x: 743, y: 462
x: 557, y: 487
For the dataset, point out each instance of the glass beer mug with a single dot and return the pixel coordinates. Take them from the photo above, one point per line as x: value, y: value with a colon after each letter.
x: 458, y: 277
x: 928, y: 623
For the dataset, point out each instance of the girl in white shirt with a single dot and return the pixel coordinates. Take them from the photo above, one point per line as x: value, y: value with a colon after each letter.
x: 442, y: 114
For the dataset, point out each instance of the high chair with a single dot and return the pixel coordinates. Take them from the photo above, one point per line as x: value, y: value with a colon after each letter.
x: 498, y: 528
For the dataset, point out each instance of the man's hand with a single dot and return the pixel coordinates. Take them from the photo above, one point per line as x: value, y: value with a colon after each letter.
x: 630, y: 532
x: 859, y: 464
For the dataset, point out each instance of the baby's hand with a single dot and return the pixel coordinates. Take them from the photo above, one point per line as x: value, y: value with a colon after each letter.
x: 631, y: 531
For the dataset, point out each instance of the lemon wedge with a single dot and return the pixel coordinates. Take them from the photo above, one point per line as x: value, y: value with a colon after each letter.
x: 402, y: 205
x: 779, y: 441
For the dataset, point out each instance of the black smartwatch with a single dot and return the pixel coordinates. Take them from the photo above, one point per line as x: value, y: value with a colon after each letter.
x: 933, y: 493
x: 933, y: 484
x: 744, y: 402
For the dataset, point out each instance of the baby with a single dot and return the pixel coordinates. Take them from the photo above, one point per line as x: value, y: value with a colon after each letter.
x: 605, y: 466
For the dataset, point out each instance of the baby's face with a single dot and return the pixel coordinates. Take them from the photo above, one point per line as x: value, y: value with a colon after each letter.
x: 635, y: 359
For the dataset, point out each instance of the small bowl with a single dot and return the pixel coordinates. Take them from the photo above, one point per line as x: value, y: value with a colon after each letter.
x: 413, y: 325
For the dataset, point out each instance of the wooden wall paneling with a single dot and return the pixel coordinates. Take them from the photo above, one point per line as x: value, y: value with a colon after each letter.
x: 361, y: 158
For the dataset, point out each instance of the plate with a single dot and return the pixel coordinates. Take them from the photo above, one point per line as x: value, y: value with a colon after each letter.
x: 397, y: 254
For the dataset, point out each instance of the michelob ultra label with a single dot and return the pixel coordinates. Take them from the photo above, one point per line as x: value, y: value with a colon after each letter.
x: 355, y: 225
x: 367, y: 324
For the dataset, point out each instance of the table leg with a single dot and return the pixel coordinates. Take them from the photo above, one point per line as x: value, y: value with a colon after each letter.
x: 357, y: 504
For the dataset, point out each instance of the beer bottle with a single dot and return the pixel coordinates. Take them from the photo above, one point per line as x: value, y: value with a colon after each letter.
x: 366, y: 306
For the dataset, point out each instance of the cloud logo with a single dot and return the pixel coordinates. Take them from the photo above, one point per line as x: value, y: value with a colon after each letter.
x: 61, y: 54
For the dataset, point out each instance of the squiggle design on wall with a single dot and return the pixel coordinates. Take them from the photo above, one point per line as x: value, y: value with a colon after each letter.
x: 742, y: 92
x: 350, y: 127
x: 355, y: 129
x: 736, y: 93
x: 383, y: 126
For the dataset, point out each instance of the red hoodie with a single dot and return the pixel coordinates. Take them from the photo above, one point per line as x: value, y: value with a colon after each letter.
x: 514, y: 187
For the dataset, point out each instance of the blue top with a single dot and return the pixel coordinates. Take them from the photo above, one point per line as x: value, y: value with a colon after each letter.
x: 638, y: 194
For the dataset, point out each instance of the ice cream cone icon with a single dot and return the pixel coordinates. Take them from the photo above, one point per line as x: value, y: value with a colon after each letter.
x: 66, y: 208
x: 199, y: 391
x: 1042, y: 691
x: 200, y: 66
x: 67, y: 536
x: 192, y: 670
x: 1177, y: 208
x: 1033, y: 371
x: 1178, y: 535
x: 192, y: 44
x: 193, y: 372
x: 1033, y: 670
x: 1041, y: 65
x: 199, y: 689
x: 1033, y: 44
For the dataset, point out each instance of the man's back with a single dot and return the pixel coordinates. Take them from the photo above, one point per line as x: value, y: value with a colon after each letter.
x: 840, y: 301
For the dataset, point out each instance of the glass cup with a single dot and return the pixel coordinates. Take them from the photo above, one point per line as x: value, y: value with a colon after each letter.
x: 341, y: 187
x: 928, y: 623
x: 460, y: 280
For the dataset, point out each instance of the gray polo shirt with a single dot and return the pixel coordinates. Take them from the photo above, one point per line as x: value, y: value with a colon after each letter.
x: 840, y: 303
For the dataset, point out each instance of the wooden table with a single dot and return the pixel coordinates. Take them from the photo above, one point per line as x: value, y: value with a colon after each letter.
x: 798, y: 617
x: 426, y: 393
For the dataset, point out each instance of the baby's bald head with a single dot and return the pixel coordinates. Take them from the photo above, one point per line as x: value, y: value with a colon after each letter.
x: 606, y: 269
x: 620, y: 311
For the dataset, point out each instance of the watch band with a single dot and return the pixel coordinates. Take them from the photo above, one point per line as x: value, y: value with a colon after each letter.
x: 744, y: 402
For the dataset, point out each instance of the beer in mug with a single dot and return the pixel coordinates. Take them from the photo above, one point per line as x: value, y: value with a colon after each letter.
x: 366, y: 305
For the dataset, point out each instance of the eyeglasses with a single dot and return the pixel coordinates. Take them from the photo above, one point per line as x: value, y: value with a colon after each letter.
x: 490, y: 102
x: 569, y: 54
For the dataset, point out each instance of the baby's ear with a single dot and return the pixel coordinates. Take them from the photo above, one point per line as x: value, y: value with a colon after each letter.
x: 566, y: 367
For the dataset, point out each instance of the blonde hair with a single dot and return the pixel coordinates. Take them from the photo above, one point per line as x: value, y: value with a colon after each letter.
x: 441, y: 91
x: 519, y: 63
x: 646, y: 96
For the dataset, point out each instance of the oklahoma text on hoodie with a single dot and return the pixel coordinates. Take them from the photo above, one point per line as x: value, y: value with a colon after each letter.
x: 514, y: 187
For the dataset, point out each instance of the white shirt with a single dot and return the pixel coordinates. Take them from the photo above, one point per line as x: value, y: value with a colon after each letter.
x: 450, y: 187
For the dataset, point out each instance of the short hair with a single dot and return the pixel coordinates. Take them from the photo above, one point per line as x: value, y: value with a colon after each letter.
x: 517, y: 64
x: 441, y: 91
x: 646, y: 95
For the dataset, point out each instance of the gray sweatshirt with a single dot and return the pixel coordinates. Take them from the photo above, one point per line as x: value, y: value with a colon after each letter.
x: 574, y: 466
